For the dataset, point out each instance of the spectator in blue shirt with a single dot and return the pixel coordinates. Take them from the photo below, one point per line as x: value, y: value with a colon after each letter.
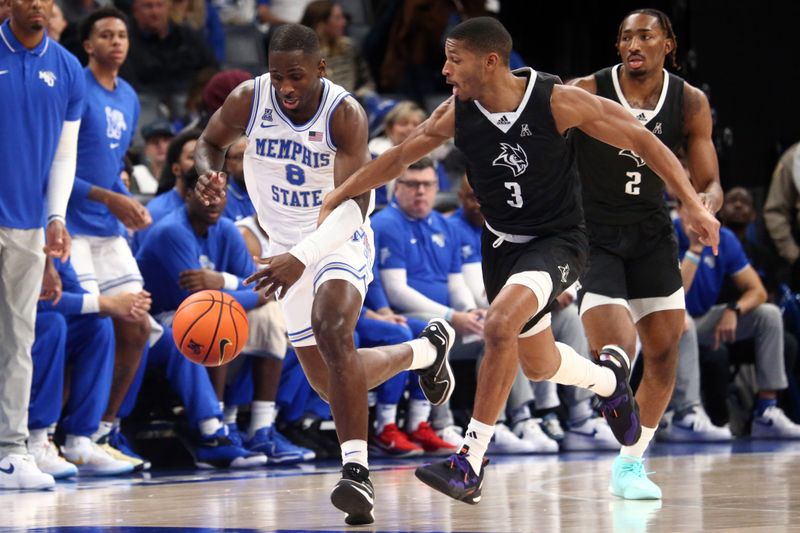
x: 748, y: 316
x: 42, y: 88
x: 239, y: 205
x: 100, y: 207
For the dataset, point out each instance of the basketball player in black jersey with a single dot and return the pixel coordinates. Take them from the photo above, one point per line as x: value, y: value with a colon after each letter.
x: 633, y: 275
x: 511, y: 126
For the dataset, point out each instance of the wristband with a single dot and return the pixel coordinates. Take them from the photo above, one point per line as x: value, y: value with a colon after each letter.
x: 91, y: 304
x: 230, y: 282
x: 449, y: 314
x: 692, y: 257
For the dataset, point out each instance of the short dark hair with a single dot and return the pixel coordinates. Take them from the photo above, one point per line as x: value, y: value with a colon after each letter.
x: 484, y: 35
x: 87, y: 24
x: 167, y: 179
x: 666, y: 25
x: 293, y: 37
x: 422, y: 164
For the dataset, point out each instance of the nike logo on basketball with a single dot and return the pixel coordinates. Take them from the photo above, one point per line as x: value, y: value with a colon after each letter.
x: 222, y: 344
x: 9, y: 470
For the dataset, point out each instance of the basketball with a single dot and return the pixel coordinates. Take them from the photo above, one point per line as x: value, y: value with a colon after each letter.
x: 210, y: 328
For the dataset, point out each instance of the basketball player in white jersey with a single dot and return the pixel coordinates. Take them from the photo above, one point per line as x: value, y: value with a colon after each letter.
x: 305, y: 136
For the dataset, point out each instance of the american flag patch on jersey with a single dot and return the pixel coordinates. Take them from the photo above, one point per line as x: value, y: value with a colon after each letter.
x: 315, y: 136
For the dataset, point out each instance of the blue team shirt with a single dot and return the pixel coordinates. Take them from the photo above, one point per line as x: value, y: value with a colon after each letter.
x: 426, y: 248
x: 158, y: 207
x: 172, y: 247
x: 107, y: 127
x: 239, y: 205
x: 469, y: 237
x: 40, y: 89
x: 711, y: 271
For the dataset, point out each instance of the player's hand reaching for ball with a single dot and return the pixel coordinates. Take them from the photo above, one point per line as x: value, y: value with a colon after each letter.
x: 211, y: 187
x: 276, y: 273
x: 698, y: 219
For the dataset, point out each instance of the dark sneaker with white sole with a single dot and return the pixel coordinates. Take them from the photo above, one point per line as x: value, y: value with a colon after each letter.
x: 354, y: 495
x: 454, y: 477
x: 437, y: 381
x: 620, y: 409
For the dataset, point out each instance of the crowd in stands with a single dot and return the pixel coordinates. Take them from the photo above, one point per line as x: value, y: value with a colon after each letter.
x: 156, y: 70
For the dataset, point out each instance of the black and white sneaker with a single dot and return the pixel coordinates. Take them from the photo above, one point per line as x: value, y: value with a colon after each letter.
x: 354, y: 495
x: 437, y: 381
x: 620, y: 409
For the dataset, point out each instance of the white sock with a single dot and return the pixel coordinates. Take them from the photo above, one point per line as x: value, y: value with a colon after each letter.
x: 102, y: 430
x: 385, y: 414
x: 423, y: 353
x: 36, y: 436
x: 355, y: 451
x: 638, y: 449
x: 229, y: 414
x: 476, y: 440
x: 579, y: 371
x: 580, y: 413
x: 73, y: 442
x: 209, y: 426
x: 262, y: 415
x: 418, y: 412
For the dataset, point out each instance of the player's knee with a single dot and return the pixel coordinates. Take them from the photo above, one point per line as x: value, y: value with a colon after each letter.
x: 134, y: 333
x: 769, y: 315
x: 500, y: 327
x: 334, y: 337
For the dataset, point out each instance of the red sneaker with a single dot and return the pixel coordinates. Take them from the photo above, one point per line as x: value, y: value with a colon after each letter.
x: 426, y: 437
x: 394, y: 442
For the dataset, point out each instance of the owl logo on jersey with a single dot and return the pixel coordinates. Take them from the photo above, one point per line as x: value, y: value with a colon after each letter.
x: 513, y: 157
x: 115, y: 123
x: 633, y: 155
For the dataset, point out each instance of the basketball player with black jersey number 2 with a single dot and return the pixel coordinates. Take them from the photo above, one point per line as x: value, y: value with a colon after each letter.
x: 511, y: 127
x: 633, y: 284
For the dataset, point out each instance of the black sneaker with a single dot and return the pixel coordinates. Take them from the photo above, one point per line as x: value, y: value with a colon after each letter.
x: 454, y: 477
x: 620, y: 409
x: 354, y: 495
x: 437, y: 381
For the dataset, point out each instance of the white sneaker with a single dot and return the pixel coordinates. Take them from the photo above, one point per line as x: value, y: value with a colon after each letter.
x: 530, y: 430
x: 18, y: 471
x: 92, y: 460
x: 592, y: 435
x: 45, y: 453
x: 505, y: 442
x: 695, y: 426
x: 452, y: 435
x: 552, y: 427
x: 774, y: 424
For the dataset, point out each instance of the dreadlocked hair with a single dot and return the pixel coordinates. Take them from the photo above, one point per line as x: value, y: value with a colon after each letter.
x: 666, y: 25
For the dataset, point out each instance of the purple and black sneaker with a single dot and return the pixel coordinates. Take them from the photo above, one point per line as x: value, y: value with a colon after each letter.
x: 454, y: 477
x: 620, y: 409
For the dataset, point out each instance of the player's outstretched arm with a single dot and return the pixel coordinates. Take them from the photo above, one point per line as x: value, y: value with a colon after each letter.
x: 609, y: 122
x: 437, y: 129
x: 701, y: 154
x: 224, y: 128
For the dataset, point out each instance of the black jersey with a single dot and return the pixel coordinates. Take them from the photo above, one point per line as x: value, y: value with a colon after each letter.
x: 618, y: 188
x: 522, y: 170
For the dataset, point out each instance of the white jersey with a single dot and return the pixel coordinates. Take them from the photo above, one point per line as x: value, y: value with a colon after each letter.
x: 288, y: 168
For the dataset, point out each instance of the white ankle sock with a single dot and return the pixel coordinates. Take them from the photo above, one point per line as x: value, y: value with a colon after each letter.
x: 476, y: 440
x: 638, y: 449
x: 579, y: 371
x: 229, y: 414
x: 418, y: 412
x: 73, y: 442
x: 209, y: 426
x: 262, y: 415
x: 423, y: 353
x: 355, y: 451
x: 385, y: 414
x: 102, y: 430
x: 37, y: 436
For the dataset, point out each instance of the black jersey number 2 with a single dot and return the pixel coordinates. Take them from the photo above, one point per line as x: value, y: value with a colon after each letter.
x: 632, y: 186
x: 516, y: 194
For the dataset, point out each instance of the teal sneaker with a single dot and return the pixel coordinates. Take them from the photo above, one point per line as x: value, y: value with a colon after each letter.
x: 629, y: 480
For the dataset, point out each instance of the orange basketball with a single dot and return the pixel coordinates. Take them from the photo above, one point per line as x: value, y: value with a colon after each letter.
x: 210, y: 328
